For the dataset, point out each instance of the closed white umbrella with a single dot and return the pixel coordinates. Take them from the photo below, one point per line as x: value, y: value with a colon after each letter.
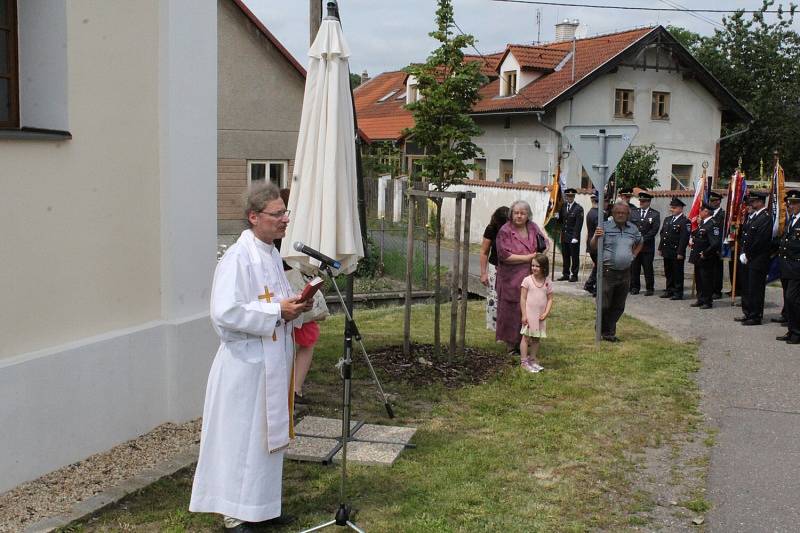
x: 324, y: 198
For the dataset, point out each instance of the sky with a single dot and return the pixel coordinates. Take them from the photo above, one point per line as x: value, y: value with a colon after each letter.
x: 389, y: 34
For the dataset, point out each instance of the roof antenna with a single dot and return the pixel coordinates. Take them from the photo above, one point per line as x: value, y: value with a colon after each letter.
x: 538, y: 26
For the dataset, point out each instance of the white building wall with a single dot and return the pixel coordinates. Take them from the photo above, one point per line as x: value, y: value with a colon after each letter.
x: 518, y: 144
x: 111, y: 239
x: 689, y: 136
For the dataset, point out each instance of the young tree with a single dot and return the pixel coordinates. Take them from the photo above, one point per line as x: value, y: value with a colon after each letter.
x: 759, y: 62
x: 637, y: 168
x: 448, y: 87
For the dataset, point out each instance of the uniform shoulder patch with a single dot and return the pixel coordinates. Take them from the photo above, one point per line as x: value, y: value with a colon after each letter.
x: 716, y: 231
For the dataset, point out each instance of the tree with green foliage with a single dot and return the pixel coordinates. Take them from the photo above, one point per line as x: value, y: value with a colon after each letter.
x: 759, y: 62
x: 637, y: 168
x: 355, y: 80
x: 448, y: 88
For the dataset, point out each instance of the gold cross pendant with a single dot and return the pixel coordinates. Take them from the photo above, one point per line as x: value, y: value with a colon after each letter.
x: 268, y: 297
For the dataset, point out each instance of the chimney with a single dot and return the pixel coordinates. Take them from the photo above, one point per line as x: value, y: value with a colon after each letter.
x: 364, y: 77
x: 565, y: 31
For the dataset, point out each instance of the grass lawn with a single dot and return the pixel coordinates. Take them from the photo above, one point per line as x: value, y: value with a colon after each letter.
x: 545, y: 452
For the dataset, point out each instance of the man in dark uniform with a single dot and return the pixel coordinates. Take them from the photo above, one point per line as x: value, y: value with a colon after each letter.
x: 672, y: 247
x: 706, y: 244
x: 789, y: 261
x: 715, y: 199
x: 649, y: 222
x: 591, y: 224
x: 754, y: 254
x: 571, y: 217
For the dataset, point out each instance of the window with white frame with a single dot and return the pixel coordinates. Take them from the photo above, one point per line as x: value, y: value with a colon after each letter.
x: 260, y: 171
x: 509, y: 85
x: 623, y: 103
x: 660, y: 106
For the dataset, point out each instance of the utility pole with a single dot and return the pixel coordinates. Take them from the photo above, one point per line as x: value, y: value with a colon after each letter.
x: 314, y: 19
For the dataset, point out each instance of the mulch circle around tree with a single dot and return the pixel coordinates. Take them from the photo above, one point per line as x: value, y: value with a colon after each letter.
x: 473, y: 367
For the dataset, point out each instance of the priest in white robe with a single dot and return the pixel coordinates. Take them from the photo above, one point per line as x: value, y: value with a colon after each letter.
x: 247, y: 418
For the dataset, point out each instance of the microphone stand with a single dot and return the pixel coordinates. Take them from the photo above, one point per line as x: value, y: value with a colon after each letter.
x: 342, y: 517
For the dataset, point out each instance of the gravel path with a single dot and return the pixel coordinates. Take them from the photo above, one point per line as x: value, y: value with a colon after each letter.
x: 55, y: 493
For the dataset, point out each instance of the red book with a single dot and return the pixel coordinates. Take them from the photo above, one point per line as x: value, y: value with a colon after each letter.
x: 310, y: 289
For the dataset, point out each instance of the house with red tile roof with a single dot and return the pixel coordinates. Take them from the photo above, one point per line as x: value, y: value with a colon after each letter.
x: 260, y: 100
x: 642, y: 76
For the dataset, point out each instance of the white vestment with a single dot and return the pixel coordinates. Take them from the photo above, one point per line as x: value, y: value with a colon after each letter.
x: 246, y: 414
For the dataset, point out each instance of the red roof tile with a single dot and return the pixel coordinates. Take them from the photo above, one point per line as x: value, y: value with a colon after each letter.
x: 387, y: 119
x: 590, y: 54
x: 489, y: 63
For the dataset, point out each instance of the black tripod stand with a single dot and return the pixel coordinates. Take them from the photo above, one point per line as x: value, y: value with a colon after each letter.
x: 342, y: 517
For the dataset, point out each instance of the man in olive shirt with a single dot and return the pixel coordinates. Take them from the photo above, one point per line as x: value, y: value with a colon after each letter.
x: 621, y: 243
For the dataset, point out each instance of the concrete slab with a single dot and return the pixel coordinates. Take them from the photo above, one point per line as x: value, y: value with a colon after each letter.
x: 370, y: 454
x: 316, y: 426
x: 312, y: 449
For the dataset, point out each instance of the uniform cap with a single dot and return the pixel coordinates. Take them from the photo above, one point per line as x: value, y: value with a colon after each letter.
x: 645, y: 196
x: 570, y: 191
x: 793, y: 195
x: 626, y: 192
x: 758, y: 195
x: 676, y: 202
x: 714, y: 196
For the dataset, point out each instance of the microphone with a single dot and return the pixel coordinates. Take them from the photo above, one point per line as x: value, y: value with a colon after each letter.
x: 322, y: 258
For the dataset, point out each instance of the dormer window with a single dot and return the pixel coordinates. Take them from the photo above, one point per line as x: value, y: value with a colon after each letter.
x: 412, y: 94
x: 508, y: 86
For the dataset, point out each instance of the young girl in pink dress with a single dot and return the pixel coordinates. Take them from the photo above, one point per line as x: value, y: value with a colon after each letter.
x: 536, y: 300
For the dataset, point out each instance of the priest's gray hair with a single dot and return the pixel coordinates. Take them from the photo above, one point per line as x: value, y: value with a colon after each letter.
x: 256, y: 198
x: 523, y: 204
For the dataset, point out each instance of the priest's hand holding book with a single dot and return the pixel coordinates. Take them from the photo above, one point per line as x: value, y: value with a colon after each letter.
x: 294, y: 307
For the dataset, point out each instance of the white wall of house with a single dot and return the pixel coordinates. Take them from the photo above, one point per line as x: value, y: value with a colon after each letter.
x: 687, y: 138
x: 111, y: 238
x: 518, y: 143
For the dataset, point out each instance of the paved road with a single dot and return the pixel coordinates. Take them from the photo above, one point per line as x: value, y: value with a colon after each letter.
x: 749, y: 384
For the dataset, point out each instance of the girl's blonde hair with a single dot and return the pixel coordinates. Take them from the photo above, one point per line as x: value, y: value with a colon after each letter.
x: 543, y: 262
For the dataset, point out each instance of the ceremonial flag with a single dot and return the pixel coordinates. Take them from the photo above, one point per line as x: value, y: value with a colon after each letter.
x: 701, y: 191
x: 551, y: 223
x: 777, y: 207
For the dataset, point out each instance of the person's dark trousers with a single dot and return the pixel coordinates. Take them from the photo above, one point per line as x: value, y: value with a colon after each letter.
x: 616, y: 284
x: 570, y: 254
x: 753, y: 294
x: 784, y: 285
x: 591, y: 282
x: 791, y: 306
x: 673, y: 270
x: 704, y: 278
x: 718, y: 271
x: 643, y: 261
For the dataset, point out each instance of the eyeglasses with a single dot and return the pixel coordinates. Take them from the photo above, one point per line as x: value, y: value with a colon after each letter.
x: 278, y: 214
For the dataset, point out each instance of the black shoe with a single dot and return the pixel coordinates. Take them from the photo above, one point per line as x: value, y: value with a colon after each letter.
x: 666, y: 295
x: 573, y: 279
x: 563, y: 278
x: 785, y: 324
x: 741, y: 318
x: 649, y: 292
x: 676, y: 297
x: 695, y: 304
x: 717, y: 296
x: 779, y: 319
x: 245, y: 527
x: 282, y: 520
x: 634, y: 291
x: 793, y: 339
x: 706, y: 306
x: 610, y: 338
x: 751, y: 322
x: 785, y: 337
x: 300, y: 400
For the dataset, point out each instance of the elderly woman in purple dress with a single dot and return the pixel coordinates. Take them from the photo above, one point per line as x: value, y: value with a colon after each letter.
x: 517, y: 242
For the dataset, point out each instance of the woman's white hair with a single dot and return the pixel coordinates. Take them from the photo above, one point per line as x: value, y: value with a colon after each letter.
x: 522, y: 203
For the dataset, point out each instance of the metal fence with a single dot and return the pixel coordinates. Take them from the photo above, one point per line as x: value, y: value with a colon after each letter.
x: 387, y: 225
